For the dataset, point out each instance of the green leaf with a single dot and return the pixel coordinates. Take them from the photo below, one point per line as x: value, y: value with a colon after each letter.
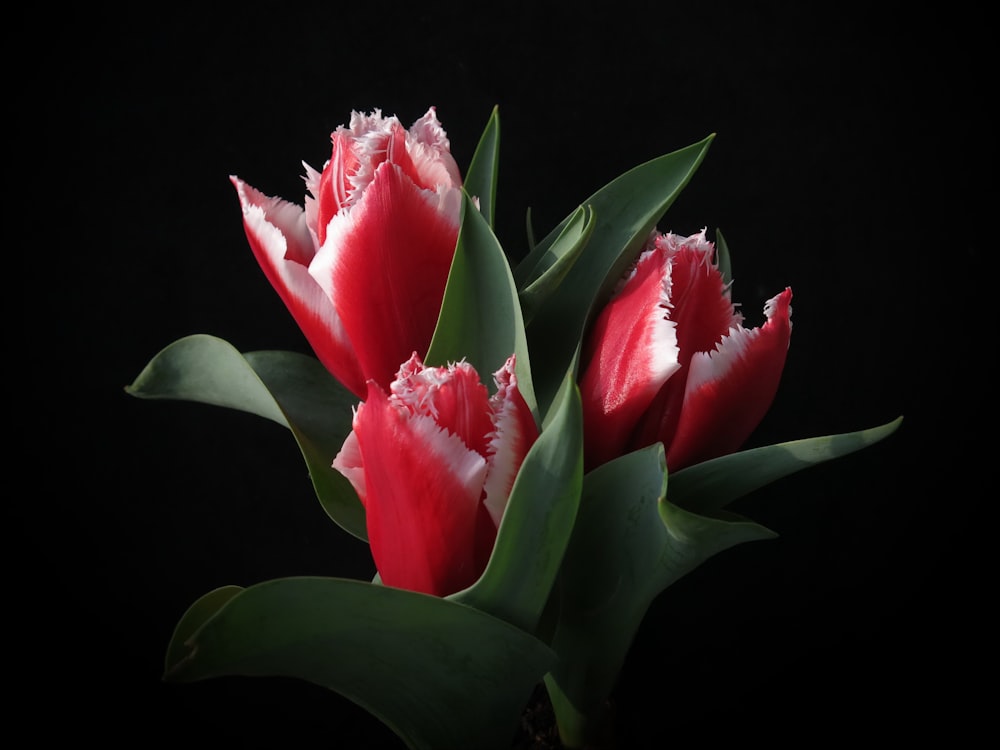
x: 480, y: 319
x: 481, y: 178
x: 628, y: 545
x: 292, y: 389
x: 557, y: 261
x: 537, y: 523
x: 439, y: 674
x: 722, y: 257
x: 529, y: 231
x: 626, y: 212
x: 711, y: 485
x: 197, y: 615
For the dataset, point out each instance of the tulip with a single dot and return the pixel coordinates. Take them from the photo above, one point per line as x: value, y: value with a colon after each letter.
x: 669, y: 360
x: 362, y: 267
x: 433, y: 460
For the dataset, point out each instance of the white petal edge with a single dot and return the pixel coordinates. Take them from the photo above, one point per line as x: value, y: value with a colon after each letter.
x: 711, y: 366
x: 296, y: 277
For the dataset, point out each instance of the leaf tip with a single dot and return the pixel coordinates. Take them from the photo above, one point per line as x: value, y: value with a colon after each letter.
x: 173, y: 667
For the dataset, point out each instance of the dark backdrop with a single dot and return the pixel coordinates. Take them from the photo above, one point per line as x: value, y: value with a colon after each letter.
x: 850, y: 158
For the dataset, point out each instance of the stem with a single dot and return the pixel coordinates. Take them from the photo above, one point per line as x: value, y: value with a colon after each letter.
x: 581, y: 730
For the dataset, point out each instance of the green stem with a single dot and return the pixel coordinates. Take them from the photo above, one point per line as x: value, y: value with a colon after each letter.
x: 581, y: 730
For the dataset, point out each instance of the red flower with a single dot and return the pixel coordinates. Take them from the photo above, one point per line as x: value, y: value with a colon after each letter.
x: 363, y: 266
x: 433, y: 461
x: 669, y: 360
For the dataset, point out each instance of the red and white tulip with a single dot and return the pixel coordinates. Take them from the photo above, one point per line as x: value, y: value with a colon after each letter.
x: 668, y: 359
x: 362, y: 266
x: 433, y: 460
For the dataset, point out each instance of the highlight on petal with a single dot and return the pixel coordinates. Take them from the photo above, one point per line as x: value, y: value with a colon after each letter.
x: 423, y: 498
x: 730, y: 389
x: 632, y: 352
x: 385, y: 265
x: 283, y: 245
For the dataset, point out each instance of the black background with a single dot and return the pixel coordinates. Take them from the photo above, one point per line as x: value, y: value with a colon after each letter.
x: 850, y: 162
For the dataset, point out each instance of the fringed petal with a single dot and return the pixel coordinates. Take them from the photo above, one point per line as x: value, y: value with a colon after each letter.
x: 514, y: 432
x: 632, y: 351
x: 334, y: 187
x: 385, y: 264
x: 423, y: 498
x: 701, y: 309
x: 430, y: 153
x: 453, y: 396
x: 730, y: 389
x: 283, y: 245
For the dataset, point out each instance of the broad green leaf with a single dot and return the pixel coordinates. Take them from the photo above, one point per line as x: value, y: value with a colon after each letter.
x: 480, y: 319
x: 208, y: 370
x: 628, y: 545
x: 481, y: 177
x: 537, y: 523
x: 292, y: 389
x: 439, y: 674
x: 711, y: 485
x: 626, y: 212
x: 557, y: 261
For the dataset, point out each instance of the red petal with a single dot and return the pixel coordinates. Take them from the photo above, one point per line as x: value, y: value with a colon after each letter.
x: 632, y: 352
x: 385, y: 264
x: 730, y: 390
x: 334, y: 184
x: 454, y: 396
x: 397, y: 154
x: 284, y: 248
x: 703, y: 313
x: 423, y: 498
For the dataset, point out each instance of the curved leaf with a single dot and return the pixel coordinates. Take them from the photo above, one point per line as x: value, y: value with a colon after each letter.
x: 292, y: 389
x: 626, y: 211
x: 481, y: 178
x: 197, y: 615
x: 537, y: 523
x: 208, y: 370
x: 480, y: 319
x: 557, y: 261
x: 628, y: 545
x: 439, y: 674
x: 711, y: 485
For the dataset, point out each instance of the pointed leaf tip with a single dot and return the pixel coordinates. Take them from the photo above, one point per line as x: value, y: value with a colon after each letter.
x: 711, y: 485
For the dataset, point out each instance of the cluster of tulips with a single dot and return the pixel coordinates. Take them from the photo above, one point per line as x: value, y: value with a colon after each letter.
x: 533, y: 451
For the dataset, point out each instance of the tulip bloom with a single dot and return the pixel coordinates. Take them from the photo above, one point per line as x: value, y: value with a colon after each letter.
x: 363, y: 266
x: 669, y: 360
x: 433, y: 461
